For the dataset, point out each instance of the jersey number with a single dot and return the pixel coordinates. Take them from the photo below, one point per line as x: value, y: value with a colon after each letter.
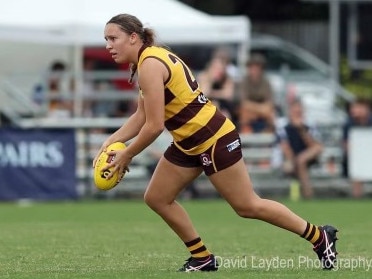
x: 190, y: 80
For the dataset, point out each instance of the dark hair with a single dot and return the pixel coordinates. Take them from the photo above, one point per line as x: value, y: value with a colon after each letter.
x: 363, y: 101
x: 131, y: 24
x: 58, y: 66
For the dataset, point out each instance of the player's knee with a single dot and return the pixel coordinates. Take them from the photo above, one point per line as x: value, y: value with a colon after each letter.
x: 155, y: 202
x: 251, y: 211
x: 150, y: 200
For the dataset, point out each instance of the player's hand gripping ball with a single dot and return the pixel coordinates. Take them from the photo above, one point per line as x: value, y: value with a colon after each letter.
x: 100, y: 177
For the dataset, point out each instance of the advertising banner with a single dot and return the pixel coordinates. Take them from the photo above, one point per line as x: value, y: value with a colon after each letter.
x: 360, y: 154
x: 37, y: 164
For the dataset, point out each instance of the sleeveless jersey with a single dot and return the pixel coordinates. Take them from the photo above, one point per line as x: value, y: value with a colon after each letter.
x: 193, y: 121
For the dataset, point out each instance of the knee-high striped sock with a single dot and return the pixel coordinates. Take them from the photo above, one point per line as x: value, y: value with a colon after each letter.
x: 313, y: 234
x: 197, y: 248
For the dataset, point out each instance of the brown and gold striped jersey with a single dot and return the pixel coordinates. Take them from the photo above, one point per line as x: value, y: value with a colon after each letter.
x: 194, y: 122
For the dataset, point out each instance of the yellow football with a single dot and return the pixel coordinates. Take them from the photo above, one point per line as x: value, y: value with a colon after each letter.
x: 100, y: 177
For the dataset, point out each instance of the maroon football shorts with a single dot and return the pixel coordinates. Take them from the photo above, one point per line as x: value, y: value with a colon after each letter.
x: 225, y: 152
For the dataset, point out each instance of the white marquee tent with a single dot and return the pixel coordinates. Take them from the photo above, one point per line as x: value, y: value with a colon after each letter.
x: 82, y: 21
x: 34, y: 29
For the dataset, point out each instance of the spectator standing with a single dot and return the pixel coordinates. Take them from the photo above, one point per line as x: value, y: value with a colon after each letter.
x: 300, y: 147
x: 257, y: 110
x: 359, y: 116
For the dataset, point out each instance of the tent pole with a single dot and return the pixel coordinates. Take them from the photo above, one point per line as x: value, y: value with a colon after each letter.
x: 242, y: 55
x: 334, y: 39
x: 78, y: 80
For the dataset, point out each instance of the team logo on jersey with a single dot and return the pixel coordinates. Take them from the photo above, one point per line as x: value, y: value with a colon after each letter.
x: 202, y: 99
x: 234, y: 145
x: 206, y: 160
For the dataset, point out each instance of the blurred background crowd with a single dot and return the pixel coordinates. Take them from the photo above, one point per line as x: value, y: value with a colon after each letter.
x: 293, y: 110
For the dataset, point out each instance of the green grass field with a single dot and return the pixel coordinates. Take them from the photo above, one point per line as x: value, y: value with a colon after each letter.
x: 124, y: 239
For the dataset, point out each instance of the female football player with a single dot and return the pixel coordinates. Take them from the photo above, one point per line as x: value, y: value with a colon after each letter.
x: 203, y: 140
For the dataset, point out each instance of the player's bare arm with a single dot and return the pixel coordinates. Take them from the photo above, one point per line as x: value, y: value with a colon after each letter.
x: 151, y: 81
x: 127, y: 131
